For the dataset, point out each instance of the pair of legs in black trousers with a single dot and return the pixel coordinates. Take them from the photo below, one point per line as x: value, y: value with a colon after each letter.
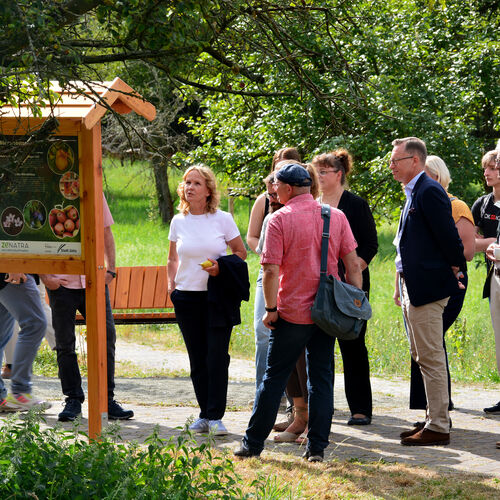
x: 358, y: 389
x: 418, y: 398
x: 64, y: 303
x: 207, y: 348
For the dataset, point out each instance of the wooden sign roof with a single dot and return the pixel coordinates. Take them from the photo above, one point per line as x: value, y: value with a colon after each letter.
x: 88, y: 103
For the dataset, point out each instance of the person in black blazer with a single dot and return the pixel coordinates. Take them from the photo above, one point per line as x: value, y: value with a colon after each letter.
x: 428, y: 260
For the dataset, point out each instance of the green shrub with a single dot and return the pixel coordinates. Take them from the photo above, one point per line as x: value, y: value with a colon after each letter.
x: 54, y: 463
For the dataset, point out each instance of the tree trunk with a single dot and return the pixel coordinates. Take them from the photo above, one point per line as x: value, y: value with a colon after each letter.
x: 165, y: 202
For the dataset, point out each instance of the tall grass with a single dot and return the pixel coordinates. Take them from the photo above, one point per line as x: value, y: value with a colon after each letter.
x: 142, y: 240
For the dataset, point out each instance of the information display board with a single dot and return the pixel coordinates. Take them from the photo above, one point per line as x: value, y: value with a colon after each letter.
x: 40, y: 200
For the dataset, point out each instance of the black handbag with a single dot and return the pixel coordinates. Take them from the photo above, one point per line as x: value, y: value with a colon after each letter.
x: 339, y: 309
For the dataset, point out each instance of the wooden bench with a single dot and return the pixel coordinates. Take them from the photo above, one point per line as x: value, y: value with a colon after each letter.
x: 139, y: 295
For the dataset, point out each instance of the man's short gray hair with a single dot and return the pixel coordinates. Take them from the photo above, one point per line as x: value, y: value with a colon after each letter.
x: 413, y: 145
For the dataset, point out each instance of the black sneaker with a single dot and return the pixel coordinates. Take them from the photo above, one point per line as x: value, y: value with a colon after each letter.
x: 72, y: 409
x: 244, y: 452
x: 313, y: 456
x: 116, y: 412
x: 493, y: 410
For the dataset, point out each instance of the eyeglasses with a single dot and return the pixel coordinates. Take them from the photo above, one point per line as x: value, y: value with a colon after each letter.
x: 326, y: 172
x: 399, y: 159
x: 271, y: 195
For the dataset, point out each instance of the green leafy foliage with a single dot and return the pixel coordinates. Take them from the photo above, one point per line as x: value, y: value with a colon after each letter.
x: 53, y: 463
x: 262, y: 74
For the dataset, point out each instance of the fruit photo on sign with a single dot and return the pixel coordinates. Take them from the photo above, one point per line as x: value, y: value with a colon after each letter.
x: 60, y: 157
x: 35, y: 214
x: 64, y: 222
x: 69, y: 185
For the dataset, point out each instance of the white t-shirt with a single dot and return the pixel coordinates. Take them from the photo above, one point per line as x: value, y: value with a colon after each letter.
x: 198, y: 238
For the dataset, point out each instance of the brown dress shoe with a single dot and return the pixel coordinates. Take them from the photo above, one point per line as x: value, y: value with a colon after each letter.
x: 6, y: 372
x: 418, y: 426
x: 426, y: 437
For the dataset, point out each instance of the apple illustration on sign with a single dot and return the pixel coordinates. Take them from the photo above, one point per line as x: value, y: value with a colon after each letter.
x: 64, y: 221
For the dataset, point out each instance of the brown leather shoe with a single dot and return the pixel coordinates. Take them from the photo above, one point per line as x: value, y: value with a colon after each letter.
x: 418, y: 426
x: 498, y: 444
x: 6, y: 372
x: 426, y: 437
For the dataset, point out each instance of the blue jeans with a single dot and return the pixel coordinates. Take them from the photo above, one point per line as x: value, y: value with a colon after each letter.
x: 262, y: 333
x: 285, y: 346
x: 21, y: 303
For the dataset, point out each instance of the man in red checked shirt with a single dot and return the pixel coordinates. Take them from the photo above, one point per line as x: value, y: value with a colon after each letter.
x: 291, y: 262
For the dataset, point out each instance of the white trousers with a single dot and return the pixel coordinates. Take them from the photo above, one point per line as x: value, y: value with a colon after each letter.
x: 495, y: 312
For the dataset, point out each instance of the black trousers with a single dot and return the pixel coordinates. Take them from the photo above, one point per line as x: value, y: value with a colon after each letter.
x: 418, y: 398
x: 358, y: 389
x: 64, y: 303
x: 207, y: 349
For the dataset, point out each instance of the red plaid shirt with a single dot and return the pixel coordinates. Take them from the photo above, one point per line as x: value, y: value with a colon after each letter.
x: 293, y: 241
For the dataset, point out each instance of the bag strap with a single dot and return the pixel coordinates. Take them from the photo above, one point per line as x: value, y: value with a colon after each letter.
x: 325, y: 214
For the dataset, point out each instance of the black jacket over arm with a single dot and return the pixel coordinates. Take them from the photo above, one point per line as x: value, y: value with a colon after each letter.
x: 430, y: 244
x: 227, y: 290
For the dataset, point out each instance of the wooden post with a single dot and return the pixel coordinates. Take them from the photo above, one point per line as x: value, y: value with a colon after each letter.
x: 93, y: 249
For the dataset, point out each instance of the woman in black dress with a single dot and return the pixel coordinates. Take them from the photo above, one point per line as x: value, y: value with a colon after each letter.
x: 333, y: 168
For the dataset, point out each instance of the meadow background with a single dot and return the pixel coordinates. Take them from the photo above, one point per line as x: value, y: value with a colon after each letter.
x: 142, y: 240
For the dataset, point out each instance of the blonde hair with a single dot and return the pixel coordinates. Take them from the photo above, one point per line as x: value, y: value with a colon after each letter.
x: 437, y: 167
x: 490, y: 156
x: 211, y: 182
x: 340, y: 159
x: 315, y: 180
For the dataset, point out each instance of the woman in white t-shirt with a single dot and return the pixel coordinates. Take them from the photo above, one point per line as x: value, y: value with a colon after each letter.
x: 200, y: 234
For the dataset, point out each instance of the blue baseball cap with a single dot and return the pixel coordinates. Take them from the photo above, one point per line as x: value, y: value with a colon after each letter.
x: 294, y: 174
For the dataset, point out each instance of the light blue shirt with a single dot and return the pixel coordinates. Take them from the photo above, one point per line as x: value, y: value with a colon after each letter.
x: 409, y: 193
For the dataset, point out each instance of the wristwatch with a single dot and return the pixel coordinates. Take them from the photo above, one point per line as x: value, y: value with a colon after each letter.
x: 271, y: 309
x: 112, y: 273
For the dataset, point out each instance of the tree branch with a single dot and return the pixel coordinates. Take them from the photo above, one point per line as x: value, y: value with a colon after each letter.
x: 230, y: 64
x: 222, y: 90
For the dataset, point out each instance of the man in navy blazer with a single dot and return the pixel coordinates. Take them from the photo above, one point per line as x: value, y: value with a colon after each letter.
x: 429, y: 254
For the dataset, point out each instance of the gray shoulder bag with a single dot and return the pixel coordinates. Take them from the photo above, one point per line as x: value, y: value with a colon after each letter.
x: 339, y: 309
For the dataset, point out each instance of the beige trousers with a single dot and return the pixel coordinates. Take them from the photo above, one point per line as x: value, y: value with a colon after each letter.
x: 424, y: 325
x: 495, y: 312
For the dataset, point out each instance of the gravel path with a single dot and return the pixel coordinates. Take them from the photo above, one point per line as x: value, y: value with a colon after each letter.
x: 170, y: 402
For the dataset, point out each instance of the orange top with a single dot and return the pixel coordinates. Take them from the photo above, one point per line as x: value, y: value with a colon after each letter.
x: 460, y: 209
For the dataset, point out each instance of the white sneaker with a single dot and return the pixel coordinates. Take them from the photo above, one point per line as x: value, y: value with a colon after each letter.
x: 217, y: 428
x: 24, y: 401
x: 199, y: 426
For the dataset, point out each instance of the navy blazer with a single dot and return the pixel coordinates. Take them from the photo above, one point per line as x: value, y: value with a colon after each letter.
x: 430, y: 244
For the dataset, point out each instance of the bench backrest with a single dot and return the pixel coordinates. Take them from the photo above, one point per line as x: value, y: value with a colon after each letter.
x: 140, y: 287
